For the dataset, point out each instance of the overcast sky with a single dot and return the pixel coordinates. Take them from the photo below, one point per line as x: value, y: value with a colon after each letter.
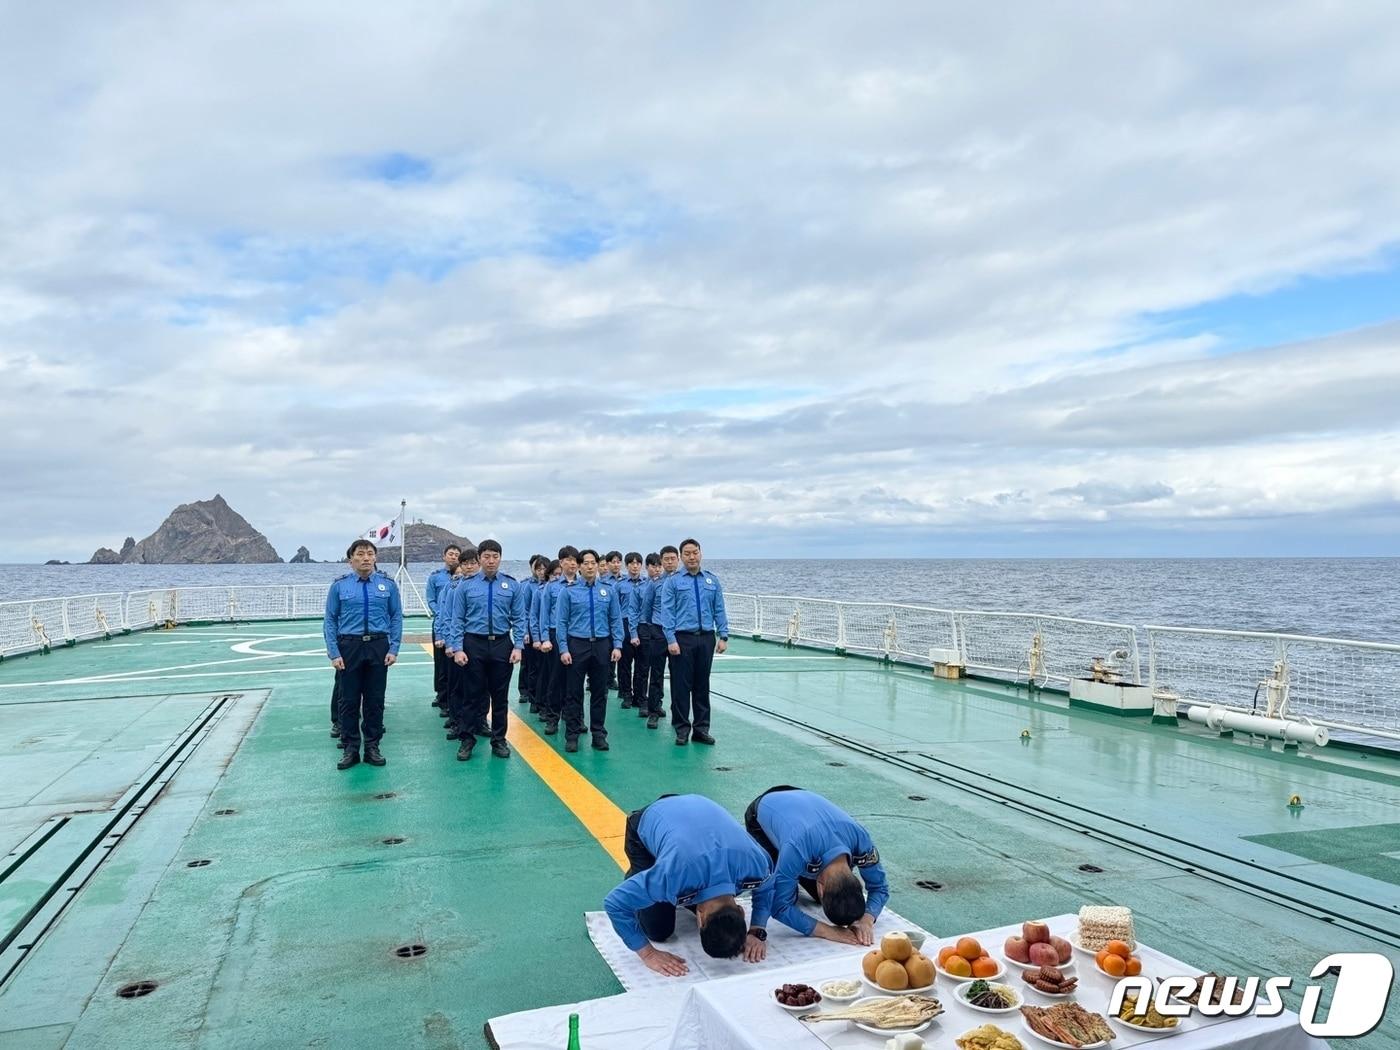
x: 799, y: 278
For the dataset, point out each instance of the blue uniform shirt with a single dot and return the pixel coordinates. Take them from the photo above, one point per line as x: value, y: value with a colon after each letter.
x: 482, y: 606
x: 692, y: 602
x: 701, y: 853
x: 442, y: 622
x: 438, y: 581
x: 588, y: 611
x: 528, y: 587
x: 644, y: 605
x: 810, y: 832
x: 627, y: 589
x: 369, y: 606
x: 549, y: 598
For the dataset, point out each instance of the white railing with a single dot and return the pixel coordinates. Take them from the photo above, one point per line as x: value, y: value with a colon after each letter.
x: 1333, y: 682
x: 1020, y: 646
x: 1328, y: 681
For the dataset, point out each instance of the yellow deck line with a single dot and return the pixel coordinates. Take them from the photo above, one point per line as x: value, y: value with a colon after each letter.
x: 594, y: 810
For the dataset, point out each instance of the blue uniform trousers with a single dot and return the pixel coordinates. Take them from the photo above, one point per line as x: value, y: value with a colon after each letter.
x: 592, y: 657
x: 690, y: 682
x: 362, y: 685
x: 487, y: 677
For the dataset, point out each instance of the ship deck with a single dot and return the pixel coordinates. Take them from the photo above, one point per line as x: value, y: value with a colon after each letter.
x: 171, y: 813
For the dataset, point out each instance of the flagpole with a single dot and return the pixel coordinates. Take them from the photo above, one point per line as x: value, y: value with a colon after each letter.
x: 403, y: 538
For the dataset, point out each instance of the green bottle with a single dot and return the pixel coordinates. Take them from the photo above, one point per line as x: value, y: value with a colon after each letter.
x: 574, y: 1044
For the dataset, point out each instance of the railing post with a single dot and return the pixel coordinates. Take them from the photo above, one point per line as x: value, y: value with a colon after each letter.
x: 63, y: 614
x: 1137, y: 658
x: 840, y: 629
x: 1152, y: 661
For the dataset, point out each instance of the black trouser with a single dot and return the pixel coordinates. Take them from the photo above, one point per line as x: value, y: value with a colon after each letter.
x: 625, y: 665
x: 457, y: 692
x: 690, y: 681
x: 544, y: 681
x: 658, y: 921
x: 591, y: 659
x: 760, y: 836
x: 529, y: 666
x: 441, y: 661
x: 558, y: 679
x: 648, y: 685
x: 488, y: 683
x: 362, y: 688
x: 335, y: 700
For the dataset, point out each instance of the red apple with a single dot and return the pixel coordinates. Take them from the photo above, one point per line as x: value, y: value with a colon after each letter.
x: 1017, y: 949
x: 1035, y: 932
x: 1044, y: 954
x: 1062, y: 946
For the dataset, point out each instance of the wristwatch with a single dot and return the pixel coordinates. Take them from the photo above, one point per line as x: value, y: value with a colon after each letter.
x: 759, y: 932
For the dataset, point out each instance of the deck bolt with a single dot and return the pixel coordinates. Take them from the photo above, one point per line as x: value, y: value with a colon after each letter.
x: 1295, y: 802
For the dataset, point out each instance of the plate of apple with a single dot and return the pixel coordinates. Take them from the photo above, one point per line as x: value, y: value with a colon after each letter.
x: 1035, y: 947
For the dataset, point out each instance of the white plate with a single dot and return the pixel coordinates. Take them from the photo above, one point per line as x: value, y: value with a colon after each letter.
x: 797, y: 1009
x: 887, y: 1031
x: 1001, y: 972
x: 890, y: 991
x: 1151, y: 1033
x: 1012, y: 964
x: 960, y: 994
x: 1047, y: 1041
x: 821, y: 988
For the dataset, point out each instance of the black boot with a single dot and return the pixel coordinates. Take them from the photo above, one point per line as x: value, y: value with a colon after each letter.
x: 465, y: 751
x: 372, y: 755
x: 351, y: 757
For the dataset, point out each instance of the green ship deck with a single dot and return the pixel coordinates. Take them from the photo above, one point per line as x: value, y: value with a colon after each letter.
x: 170, y: 813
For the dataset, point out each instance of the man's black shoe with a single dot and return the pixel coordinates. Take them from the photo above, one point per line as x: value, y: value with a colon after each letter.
x: 682, y: 739
x: 534, y: 708
x: 642, y: 712
x: 465, y: 751
x: 627, y: 702
x: 550, y: 728
x: 600, y: 745
x: 571, y: 744
x: 372, y: 755
x: 335, y: 732
x: 350, y: 758
x: 702, y: 737
x: 437, y: 702
x: 481, y: 729
x: 500, y: 749
x: 453, y: 733
x: 652, y: 721
x: 443, y: 712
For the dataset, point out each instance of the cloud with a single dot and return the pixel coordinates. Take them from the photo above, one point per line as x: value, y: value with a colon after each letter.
x: 789, y: 273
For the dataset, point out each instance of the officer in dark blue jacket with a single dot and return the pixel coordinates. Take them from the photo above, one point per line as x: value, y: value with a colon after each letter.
x: 363, y: 629
x: 630, y: 664
x: 692, y: 616
x: 438, y: 582
x: 529, y: 656
x: 648, y: 688
x: 588, y: 622
x: 488, y: 616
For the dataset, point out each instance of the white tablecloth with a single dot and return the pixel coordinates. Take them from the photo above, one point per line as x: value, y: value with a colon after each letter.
x: 739, y: 1013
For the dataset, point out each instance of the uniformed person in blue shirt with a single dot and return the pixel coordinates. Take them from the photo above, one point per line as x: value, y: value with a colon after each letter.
x: 588, y: 622
x: 454, y: 703
x: 692, y: 614
x: 363, y: 629
x: 630, y: 664
x: 545, y: 662
x: 488, y: 616
x: 438, y: 582
x: 817, y: 845
x: 554, y: 698
x: 647, y: 688
x: 529, y: 655
x: 610, y: 571
x: 685, y: 850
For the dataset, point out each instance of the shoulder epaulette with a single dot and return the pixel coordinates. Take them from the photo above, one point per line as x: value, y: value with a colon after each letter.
x: 509, y: 577
x: 342, y: 576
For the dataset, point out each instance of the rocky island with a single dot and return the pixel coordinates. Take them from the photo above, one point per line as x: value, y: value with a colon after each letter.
x: 425, y: 543
x: 207, y: 532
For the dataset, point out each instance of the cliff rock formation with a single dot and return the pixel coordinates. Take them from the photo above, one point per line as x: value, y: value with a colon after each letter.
x: 205, y: 533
